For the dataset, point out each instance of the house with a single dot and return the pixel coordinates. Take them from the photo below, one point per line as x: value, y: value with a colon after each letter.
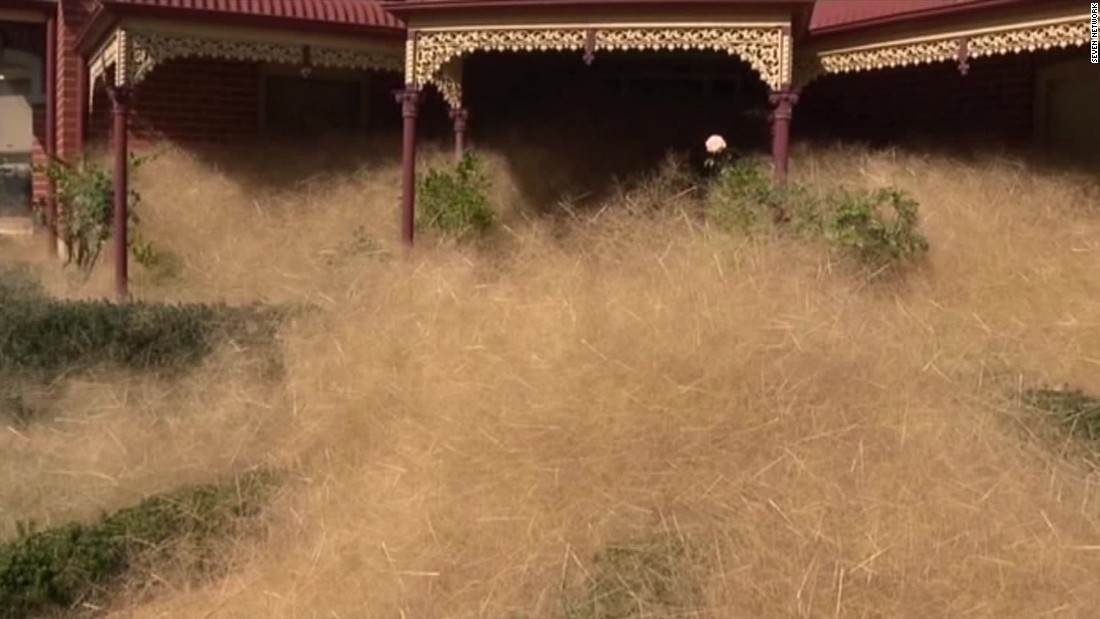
x: 200, y: 71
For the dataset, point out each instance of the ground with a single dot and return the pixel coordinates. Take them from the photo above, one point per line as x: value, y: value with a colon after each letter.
x: 614, y: 412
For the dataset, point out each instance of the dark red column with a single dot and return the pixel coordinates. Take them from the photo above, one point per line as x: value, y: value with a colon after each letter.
x: 51, y: 131
x: 409, y: 98
x: 784, y: 101
x: 120, y: 112
x: 461, y: 118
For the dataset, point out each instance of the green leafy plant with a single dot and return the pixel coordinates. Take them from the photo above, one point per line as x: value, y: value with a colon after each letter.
x: 85, y: 217
x: 878, y: 228
x: 456, y: 203
x: 57, y: 567
x: 742, y: 197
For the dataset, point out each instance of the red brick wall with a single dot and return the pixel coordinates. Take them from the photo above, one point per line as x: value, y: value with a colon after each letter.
x: 189, y: 101
x: 72, y: 15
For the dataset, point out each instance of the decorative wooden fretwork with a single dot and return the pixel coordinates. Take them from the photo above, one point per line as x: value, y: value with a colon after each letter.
x: 449, y: 82
x: 134, y: 54
x: 107, y: 57
x: 148, y: 51
x: 766, y: 48
x: 957, y: 46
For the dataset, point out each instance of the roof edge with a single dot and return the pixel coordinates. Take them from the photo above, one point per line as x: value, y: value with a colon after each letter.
x: 403, y: 7
x: 108, y: 13
x: 910, y: 16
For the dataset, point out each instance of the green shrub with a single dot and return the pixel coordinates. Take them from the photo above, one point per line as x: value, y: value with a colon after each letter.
x: 85, y: 195
x: 879, y: 228
x: 456, y: 203
x: 53, y: 336
x: 60, y: 566
x: 1074, y: 410
x: 742, y: 198
x: 642, y: 578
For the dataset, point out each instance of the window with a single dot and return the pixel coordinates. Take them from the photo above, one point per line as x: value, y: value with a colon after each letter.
x: 15, y: 145
x: 302, y: 106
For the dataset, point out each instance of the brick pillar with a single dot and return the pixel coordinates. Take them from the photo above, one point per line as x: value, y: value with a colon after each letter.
x: 70, y: 101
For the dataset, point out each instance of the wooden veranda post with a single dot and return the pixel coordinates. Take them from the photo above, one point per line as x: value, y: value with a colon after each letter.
x: 120, y: 112
x: 461, y: 118
x: 409, y: 98
x: 784, y: 101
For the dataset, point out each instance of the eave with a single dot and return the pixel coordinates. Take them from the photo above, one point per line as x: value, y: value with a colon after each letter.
x: 401, y: 9
x: 911, y: 17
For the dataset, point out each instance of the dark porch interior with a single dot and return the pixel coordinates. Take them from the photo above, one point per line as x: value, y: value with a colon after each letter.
x: 570, y: 129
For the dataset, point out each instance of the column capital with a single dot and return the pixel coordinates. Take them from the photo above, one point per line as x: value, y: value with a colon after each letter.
x: 783, y: 100
x: 121, y: 96
x: 460, y: 116
x: 409, y: 98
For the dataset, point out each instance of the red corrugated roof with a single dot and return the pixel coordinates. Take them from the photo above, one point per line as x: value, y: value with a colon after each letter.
x: 831, y: 15
x: 366, y: 13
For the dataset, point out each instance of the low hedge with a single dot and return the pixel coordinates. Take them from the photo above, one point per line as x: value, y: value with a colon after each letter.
x: 62, y: 566
x: 41, y: 334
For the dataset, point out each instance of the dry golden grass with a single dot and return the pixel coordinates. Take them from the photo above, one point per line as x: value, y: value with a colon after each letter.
x: 466, y: 428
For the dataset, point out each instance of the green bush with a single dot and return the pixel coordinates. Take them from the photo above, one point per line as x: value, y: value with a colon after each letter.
x: 743, y: 199
x: 877, y: 228
x: 60, y: 566
x: 1074, y: 410
x: 53, y: 336
x: 85, y: 195
x: 456, y: 203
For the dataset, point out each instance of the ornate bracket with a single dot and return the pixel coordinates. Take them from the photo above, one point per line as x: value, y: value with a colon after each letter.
x: 589, y: 46
x: 964, y: 55
x: 766, y: 48
x: 449, y: 83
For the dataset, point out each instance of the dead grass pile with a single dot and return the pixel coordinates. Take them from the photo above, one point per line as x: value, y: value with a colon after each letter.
x: 472, y: 431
